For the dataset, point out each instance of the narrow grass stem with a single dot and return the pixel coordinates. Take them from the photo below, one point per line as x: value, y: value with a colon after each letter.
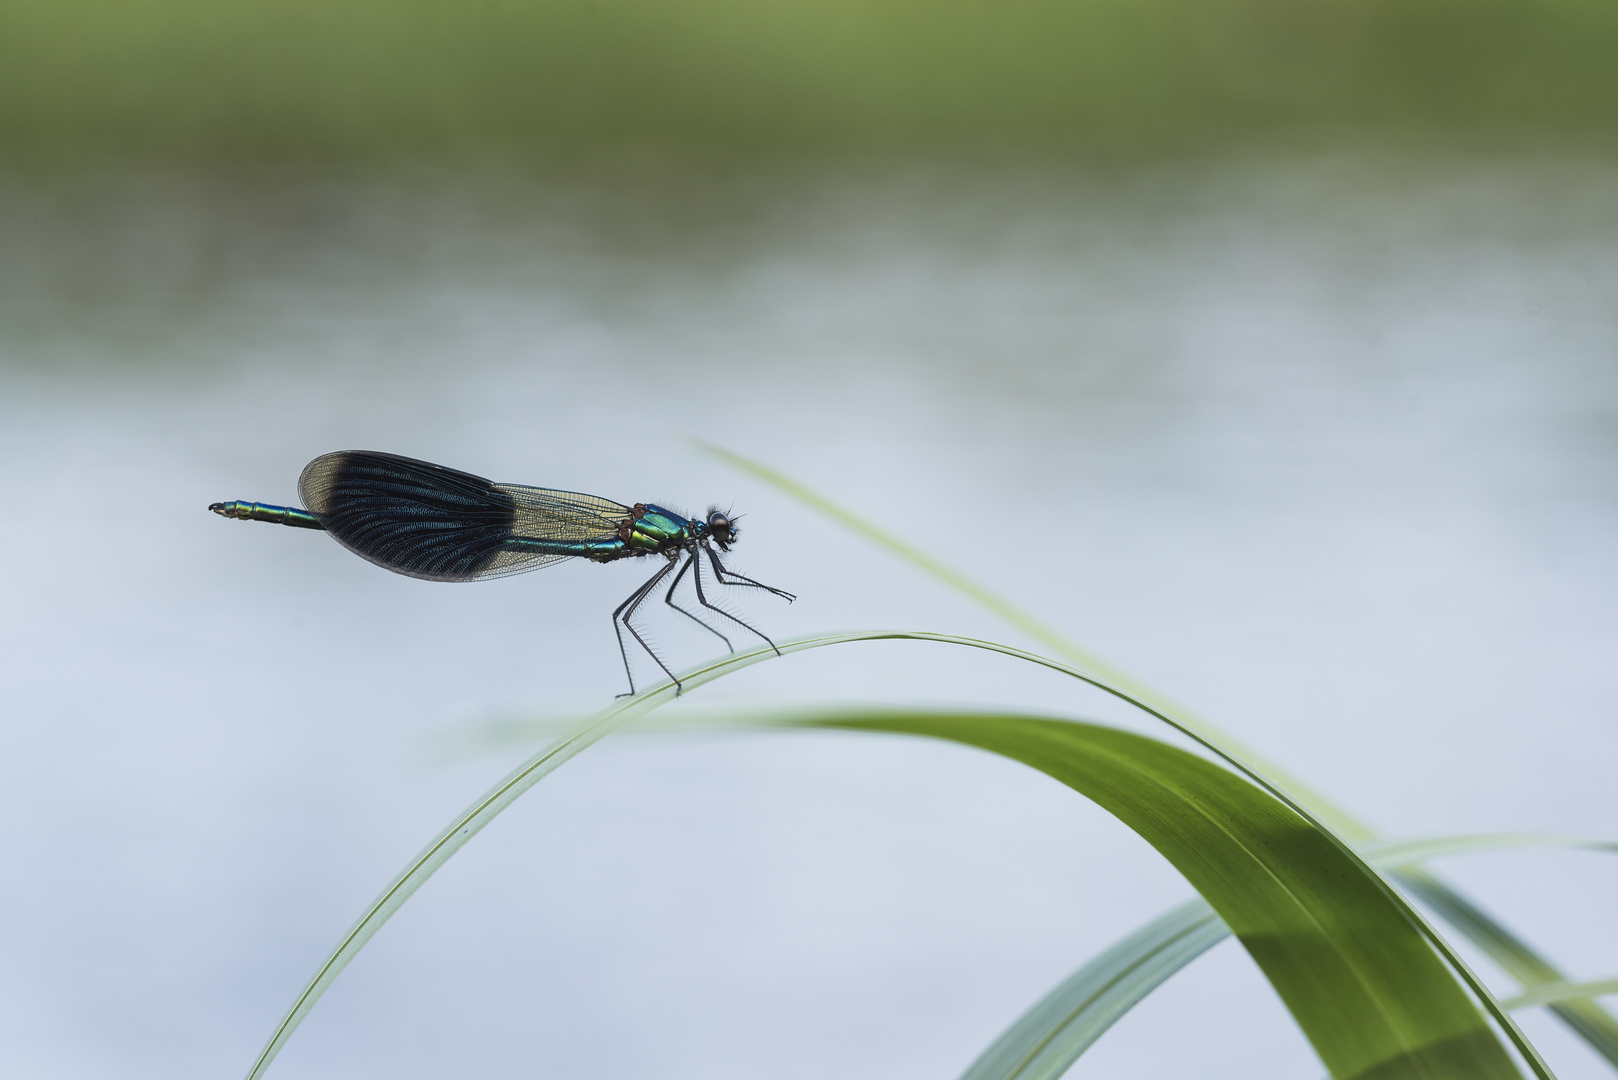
x: 1552, y: 993
x: 1341, y: 821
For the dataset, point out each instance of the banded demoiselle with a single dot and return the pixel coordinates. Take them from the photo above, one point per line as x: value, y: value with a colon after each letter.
x: 441, y: 524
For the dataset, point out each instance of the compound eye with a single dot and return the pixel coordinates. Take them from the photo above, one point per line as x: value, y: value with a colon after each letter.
x: 718, y: 522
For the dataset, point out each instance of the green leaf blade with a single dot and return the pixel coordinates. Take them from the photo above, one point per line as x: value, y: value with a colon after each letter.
x: 1358, y: 976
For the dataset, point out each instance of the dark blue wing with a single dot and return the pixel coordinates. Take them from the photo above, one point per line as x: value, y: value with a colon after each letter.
x: 425, y: 520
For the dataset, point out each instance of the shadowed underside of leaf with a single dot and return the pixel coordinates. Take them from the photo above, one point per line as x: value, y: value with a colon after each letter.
x: 1358, y: 976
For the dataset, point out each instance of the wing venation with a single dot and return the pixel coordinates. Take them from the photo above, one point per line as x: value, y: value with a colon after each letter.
x: 429, y: 521
x: 543, y: 513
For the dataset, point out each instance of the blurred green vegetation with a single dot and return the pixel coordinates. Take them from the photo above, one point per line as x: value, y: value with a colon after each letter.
x: 360, y: 80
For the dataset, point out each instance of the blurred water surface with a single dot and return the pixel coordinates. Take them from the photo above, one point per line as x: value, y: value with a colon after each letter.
x: 1324, y: 447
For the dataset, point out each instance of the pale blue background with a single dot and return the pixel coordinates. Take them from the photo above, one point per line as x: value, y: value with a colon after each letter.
x: 1324, y: 448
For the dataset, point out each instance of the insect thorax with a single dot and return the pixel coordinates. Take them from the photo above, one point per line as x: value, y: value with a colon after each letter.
x: 650, y: 529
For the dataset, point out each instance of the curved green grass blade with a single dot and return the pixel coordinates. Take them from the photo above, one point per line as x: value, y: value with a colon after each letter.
x: 1589, y: 1020
x: 1338, y: 820
x: 530, y: 772
x: 1554, y: 993
x: 1047, y: 1039
x: 447, y: 843
x: 1356, y: 972
x: 1401, y: 853
x: 484, y: 810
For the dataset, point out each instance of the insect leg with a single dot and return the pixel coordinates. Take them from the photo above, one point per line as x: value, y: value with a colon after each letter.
x: 634, y: 598
x: 696, y: 579
x: 722, y: 573
x: 629, y: 607
x: 669, y: 600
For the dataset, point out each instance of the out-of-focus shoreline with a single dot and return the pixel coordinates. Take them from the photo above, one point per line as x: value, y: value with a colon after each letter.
x: 556, y: 83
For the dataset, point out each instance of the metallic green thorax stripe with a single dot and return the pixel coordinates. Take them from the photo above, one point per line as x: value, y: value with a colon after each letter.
x: 655, y: 527
x: 279, y: 515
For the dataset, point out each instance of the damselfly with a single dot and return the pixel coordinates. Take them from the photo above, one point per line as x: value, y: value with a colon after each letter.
x: 432, y: 522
